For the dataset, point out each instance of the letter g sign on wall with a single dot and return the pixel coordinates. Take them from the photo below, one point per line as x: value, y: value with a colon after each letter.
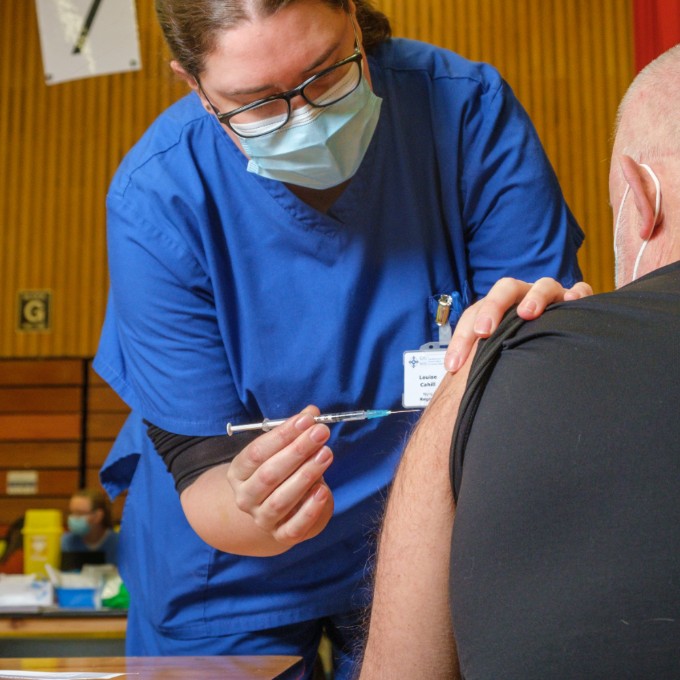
x: 34, y: 310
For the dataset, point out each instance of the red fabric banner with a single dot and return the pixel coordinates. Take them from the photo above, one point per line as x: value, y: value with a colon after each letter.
x: 656, y: 27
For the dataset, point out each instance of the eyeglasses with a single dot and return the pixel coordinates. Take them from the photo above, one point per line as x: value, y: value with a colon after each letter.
x: 323, y: 89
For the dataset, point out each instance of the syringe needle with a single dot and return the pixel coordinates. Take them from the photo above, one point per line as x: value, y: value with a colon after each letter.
x: 380, y: 413
x: 327, y: 418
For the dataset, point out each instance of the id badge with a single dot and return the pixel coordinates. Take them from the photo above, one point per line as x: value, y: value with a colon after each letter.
x: 424, y: 367
x: 423, y: 371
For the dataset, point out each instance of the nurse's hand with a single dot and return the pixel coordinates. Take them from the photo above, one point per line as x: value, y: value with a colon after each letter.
x: 481, y: 319
x: 278, y: 480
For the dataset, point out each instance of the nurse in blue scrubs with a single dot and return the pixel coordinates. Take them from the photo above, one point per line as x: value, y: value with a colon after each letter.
x: 278, y: 239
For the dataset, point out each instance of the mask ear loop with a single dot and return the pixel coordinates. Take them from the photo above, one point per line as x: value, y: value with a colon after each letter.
x: 618, y: 215
x: 657, y: 209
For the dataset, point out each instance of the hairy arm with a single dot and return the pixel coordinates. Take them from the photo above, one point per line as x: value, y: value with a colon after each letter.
x: 410, y: 633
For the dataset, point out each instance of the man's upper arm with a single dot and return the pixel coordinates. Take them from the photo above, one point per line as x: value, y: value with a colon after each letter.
x: 410, y: 628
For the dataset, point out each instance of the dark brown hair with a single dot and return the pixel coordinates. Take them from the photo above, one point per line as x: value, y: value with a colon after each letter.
x: 98, y: 501
x: 190, y: 27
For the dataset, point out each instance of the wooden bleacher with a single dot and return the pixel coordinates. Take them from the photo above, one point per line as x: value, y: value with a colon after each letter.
x: 58, y: 420
x: 106, y: 413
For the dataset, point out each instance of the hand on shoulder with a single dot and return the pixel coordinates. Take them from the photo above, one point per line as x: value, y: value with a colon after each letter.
x: 481, y: 319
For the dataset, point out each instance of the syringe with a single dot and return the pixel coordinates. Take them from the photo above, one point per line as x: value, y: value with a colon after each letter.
x: 327, y: 418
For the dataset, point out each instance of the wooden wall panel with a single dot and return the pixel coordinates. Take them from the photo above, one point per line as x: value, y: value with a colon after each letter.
x: 41, y: 399
x: 31, y: 455
x: 102, y: 398
x: 106, y: 413
x: 50, y: 483
x: 60, y: 147
x: 569, y: 61
x: 52, y: 413
x: 40, y: 434
x: 97, y: 451
x: 66, y: 373
x: 12, y: 508
x: 46, y: 426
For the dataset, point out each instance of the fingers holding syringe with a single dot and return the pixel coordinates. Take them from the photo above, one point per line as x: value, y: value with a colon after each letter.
x: 290, y: 504
x: 308, y: 518
x: 267, y: 445
x: 281, y: 472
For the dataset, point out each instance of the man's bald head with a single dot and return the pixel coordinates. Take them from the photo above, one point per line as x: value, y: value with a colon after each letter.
x: 646, y: 151
x: 648, y: 120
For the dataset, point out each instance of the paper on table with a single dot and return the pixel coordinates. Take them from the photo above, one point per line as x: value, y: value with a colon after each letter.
x: 70, y: 675
x: 24, y: 590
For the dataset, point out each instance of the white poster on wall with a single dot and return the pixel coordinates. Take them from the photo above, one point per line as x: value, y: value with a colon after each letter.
x: 84, y: 38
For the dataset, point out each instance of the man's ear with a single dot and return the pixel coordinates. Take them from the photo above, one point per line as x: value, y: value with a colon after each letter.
x: 644, y: 194
x: 179, y: 71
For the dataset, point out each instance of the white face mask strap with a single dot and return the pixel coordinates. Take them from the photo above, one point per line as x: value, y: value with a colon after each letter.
x: 618, y: 216
x: 657, y: 209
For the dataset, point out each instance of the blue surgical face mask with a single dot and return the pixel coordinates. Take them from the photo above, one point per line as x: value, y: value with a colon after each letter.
x: 78, y: 525
x: 318, y: 148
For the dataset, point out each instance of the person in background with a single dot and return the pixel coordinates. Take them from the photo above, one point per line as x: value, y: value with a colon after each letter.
x: 540, y: 538
x: 90, y: 527
x: 12, y: 560
x: 277, y: 240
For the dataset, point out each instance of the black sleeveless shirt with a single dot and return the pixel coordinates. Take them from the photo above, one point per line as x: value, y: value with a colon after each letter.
x: 566, y: 469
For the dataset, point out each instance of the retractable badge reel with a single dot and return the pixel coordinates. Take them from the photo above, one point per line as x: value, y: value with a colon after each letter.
x: 424, y: 368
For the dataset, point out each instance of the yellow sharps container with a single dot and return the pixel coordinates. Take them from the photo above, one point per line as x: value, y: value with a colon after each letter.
x: 42, y: 540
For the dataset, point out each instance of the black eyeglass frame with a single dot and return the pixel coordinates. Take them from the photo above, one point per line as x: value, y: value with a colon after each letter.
x: 225, y: 118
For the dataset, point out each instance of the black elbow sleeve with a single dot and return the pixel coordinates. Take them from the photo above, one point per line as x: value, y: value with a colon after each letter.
x: 187, y: 457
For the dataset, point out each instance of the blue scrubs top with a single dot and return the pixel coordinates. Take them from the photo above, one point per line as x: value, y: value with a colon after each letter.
x: 231, y: 300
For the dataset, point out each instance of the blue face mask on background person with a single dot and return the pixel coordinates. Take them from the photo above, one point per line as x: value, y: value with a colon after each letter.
x: 78, y: 525
x: 319, y: 147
